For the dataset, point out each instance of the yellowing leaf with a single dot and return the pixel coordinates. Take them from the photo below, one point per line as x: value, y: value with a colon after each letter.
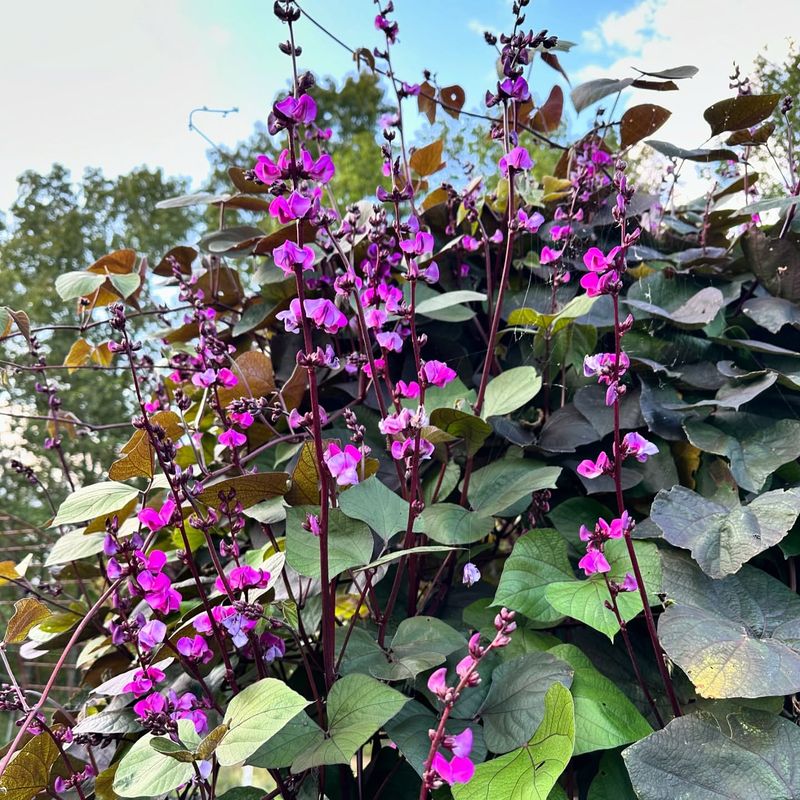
x: 255, y: 374
x: 250, y: 489
x: 136, y: 457
x: 554, y: 188
x: 8, y: 571
x: 78, y: 355
x: 29, y: 771
x: 102, y: 355
x: 305, y: 479
x: 27, y: 613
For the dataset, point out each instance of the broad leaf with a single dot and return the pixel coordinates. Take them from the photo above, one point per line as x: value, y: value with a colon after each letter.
x: 28, y: 612
x: 430, y: 305
x: 71, y: 285
x: 452, y: 524
x: 473, y: 430
x: 735, y: 113
x: 90, y: 502
x: 514, y: 707
x: 358, y: 706
x: 538, y: 559
x: 735, y: 637
x: 28, y: 773
x: 298, y: 735
x: 350, y: 542
x: 590, y: 92
x: 703, y: 156
x: 495, y: 489
x: 749, y: 755
x: 604, y: 716
x: 374, y: 503
x: 530, y: 772
x: 511, y: 390
x: 722, y: 538
x: 640, y: 121
x: 73, y: 546
x: 254, y: 715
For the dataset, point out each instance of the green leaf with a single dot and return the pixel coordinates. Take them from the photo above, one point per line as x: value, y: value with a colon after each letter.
x: 297, y: 736
x: 90, y: 502
x: 704, y: 156
x: 126, y: 285
x: 538, y: 559
x: 749, y: 755
x: 604, y: 717
x: 514, y: 706
x: 473, y: 430
x: 254, y: 715
x: 530, y: 772
x: 74, y: 546
x: 29, y: 771
x: 722, y: 538
x: 496, y: 488
x: 585, y: 599
x: 358, y: 706
x: 612, y: 781
x: 452, y: 524
x: 421, y: 551
x: 430, y: 305
x: 71, y: 285
x: 350, y: 542
x: 567, y: 517
x: 374, y: 503
x: 735, y: 637
x: 144, y: 772
x: 756, y: 446
x: 511, y: 390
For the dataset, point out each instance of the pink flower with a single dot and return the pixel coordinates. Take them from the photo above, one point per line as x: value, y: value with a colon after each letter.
x: 244, y: 577
x: 232, y: 438
x: 596, y: 261
x: 594, y: 561
x: 266, y: 170
x: 390, y: 341
x: 288, y: 255
x: 596, y: 284
x: 517, y: 159
x: 156, y: 520
x: 471, y: 574
x: 629, y: 584
x: 158, y: 592
x: 559, y: 232
x: 302, y: 109
x: 143, y: 681
x: 195, y: 649
x: 313, y: 525
x: 152, y: 633
x: 465, y: 666
x: 437, y: 373
x: 548, y: 255
x: 437, y: 683
x: 243, y: 419
x: 296, y: 207
x: 324, y: 314
x: 594, y: 469
x: 152, y: 704
x: 530, y: 223
x: 375, y: 317
x: 205, y: 378
x: 460, y: 745
x: 636, y: 445
x: 323, y: 169
x: 227, y: 378
x: 422, y: 243
x: 408, y: 390
x: 405, y: 449
x: 470, y: 243
x: 342, y: 464
x: 459, y: 770
x: 395, y: 423
x: 292, y: 317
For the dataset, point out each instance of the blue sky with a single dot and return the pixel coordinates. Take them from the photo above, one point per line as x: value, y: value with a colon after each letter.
x: 111, y: 84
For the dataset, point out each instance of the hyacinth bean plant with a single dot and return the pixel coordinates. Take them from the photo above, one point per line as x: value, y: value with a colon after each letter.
x: 443, y: 493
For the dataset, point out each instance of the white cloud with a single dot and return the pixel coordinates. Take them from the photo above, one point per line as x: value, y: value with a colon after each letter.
x: 710, y: 34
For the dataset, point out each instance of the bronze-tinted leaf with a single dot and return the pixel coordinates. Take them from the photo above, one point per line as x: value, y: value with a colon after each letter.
x: 294, y: 390
x: 452, y: 99
x: 752, y: 138
x: 590, y: 92
x: 236, y: 174
x: 640, y: 121
x: 655, y: 86
x: 28, y: 612
x: 305, y: 478
x: 183, y: 255
x: 674, y: 73
x: 78, y: 355
x: 28, y: 773
x: 120, y: 262
x: 289, y: 232
x: 255, y: 374
x: 736, y: 113
x: 776, y: 262
x: 221, y: 284
x: 244, y: 202
x: 428, y: 159
x: 136, y: 456
x: 23, y: 323
x: 207, y: 747
x: 436, y: 197
x: 364, y: 54
x: 548, y: 117
x: 426, y: 101
x: 250, y: 489
x: 703, y: 156
x: 551, y: 59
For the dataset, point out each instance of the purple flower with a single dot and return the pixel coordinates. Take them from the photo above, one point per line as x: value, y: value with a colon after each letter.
x: 291, y: 318
x: 407, y: 448
x: 459, y: 770
x: 629, y: 584
x: 437, y: 373
x: 296, y: 207
x: 266, y: 170
x: 158, y: 592
x: 313, y: 524
x: 408, y: 390
x: 323, y: 169
x: 243, y: 577
x: 460, y: 745
x: 596, y: 261
x: 437, y: 683
x: 594, y: 561
x: 516, y: 88
x: 530, y: 223
x: 470, y: 243
x: 153, y: 704
x: 152, y: 633
x: 597, y: 285
x: 633, y: 444
x: 559, y: 232
x: 243, y: 419
x: 143, y: 681
x: 156, y: 520
x: 227, y: 378
x: 272, y: 646
x: 548, y: 255
x: 288, y: 255
x: 390, y: 341
x: 324, y: 314
x: 471, y: 574
x: 517, y: 159
x: 422, y: 243
x: 195, y: 649
x: 302, y: 109
x: 232, y: 438
x: 342, y: 464
x: 594, y: 469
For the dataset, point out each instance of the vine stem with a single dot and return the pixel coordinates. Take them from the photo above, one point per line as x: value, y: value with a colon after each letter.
x: 648, y: 614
